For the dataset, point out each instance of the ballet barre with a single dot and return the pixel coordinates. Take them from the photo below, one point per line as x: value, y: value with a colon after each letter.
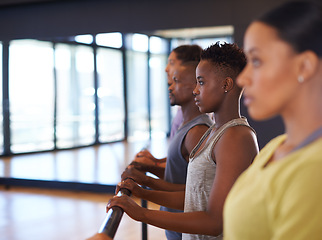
x: 113, y: 217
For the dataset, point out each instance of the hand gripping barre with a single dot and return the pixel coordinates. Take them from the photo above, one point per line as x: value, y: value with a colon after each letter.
x: 113, y: 217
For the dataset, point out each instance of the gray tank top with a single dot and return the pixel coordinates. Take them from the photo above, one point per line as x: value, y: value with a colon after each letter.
x: 201, y: 174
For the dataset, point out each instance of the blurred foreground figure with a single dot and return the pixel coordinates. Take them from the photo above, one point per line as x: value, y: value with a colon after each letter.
x: 280, y: 196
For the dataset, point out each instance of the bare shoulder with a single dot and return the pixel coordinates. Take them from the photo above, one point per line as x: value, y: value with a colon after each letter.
x: 237, y: 142
x: 196, y: 132
x: 199, y: 129
x: 240, y: 135
x: 194, y: 135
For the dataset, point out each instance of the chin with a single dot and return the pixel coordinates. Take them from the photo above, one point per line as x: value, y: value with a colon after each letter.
x: 202, y: 110
x: 258, y: 115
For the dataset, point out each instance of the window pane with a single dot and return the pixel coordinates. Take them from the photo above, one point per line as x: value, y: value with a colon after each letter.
x: 158, y: 45
x: 110, y: 95
x: 31, y: 95
x: 87, y: 39
x: 137, y: 42
x: 159, y: 95
x: 75, y: 95
x: 137, y: 95
x: 109, y: 39
x: 1, y: 116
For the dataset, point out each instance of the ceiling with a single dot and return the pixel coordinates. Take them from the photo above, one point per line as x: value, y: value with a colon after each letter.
x: 196, y: 32
x: 4, y: 3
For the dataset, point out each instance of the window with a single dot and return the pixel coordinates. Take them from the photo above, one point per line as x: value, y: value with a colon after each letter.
x: 87, y: 38
x: 109, y: 39
x: 159, y: 99
x: 1, y: 115
x: 75, y: 95
x: 70, y: 92
x: 31, y: 95
x: 110, y: 94
x: 137, y: 95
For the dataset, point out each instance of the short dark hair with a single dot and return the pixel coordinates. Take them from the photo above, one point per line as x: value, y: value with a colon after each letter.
x: 188, y: 53
x: 227, y: 56
x: 298, y: 23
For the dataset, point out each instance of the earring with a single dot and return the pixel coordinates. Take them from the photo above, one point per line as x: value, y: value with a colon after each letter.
x: 300, y: 79
x: 226, y: 91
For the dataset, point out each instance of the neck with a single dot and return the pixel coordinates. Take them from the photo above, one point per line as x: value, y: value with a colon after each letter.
x: 298, y: 129
x: 299, y: 119
x: 229, y: 110
x: 189, y: 112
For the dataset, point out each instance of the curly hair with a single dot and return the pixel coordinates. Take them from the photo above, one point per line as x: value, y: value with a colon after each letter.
x: 228, y: 57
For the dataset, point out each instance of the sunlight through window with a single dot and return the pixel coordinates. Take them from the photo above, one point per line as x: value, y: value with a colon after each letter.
x: 109, y: 39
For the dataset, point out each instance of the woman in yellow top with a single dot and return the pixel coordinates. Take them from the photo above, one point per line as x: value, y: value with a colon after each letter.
x: 280, y: 196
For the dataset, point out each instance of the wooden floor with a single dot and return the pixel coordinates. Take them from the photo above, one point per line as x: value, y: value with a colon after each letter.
x: 37, y: 214
x: 29, y: 213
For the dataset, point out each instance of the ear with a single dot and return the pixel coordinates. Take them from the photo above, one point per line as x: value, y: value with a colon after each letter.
x: 309, y: 62
x: 228, y: 84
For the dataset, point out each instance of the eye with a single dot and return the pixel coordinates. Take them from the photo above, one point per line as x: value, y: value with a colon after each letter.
x: 171, y: 62
x: 256, y: 62
x: 200, y: 82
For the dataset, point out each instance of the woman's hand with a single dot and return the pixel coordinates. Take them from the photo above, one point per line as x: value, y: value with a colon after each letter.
x: 129, y: 184
x: 128, y: 205
x: 132, y: 173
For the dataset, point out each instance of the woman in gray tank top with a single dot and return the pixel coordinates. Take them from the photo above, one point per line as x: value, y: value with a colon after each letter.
x: 222, y: 154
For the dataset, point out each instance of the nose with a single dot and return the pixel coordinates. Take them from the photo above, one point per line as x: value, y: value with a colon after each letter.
x: 167, y: 68
x: 243, y: 78
x: 170, y: 86
x: 195, y: 91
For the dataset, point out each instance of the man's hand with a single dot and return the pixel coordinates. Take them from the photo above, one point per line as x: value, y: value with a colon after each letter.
x: 134, y: 174
x: 129, y: 184
x: 145, y: 157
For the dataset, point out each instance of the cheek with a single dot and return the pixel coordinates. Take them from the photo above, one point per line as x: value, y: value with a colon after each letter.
x: 207, y: 97
x: 269, y: 92
x: 202, y: 94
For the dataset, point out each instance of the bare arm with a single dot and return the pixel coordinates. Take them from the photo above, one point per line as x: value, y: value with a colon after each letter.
x: 193, y: 222
x: 189, y: 142
x: 154, y: 183
x: 157, y: 169
x: 173, y: 200
x: 234, y: 152
x: 146, y: 162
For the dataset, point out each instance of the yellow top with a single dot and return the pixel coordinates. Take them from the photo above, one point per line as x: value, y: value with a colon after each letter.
x: 282, y: 201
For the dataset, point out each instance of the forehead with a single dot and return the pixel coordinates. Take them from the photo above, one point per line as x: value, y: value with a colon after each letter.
x: 181, y: 71
x: 205, y: 67
x: 262, y: 36
x: 173, y: 56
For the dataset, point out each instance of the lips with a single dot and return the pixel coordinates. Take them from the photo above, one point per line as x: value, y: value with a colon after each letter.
x: 197, y: 102
x: 247, y: 100
x: 171, y: 96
